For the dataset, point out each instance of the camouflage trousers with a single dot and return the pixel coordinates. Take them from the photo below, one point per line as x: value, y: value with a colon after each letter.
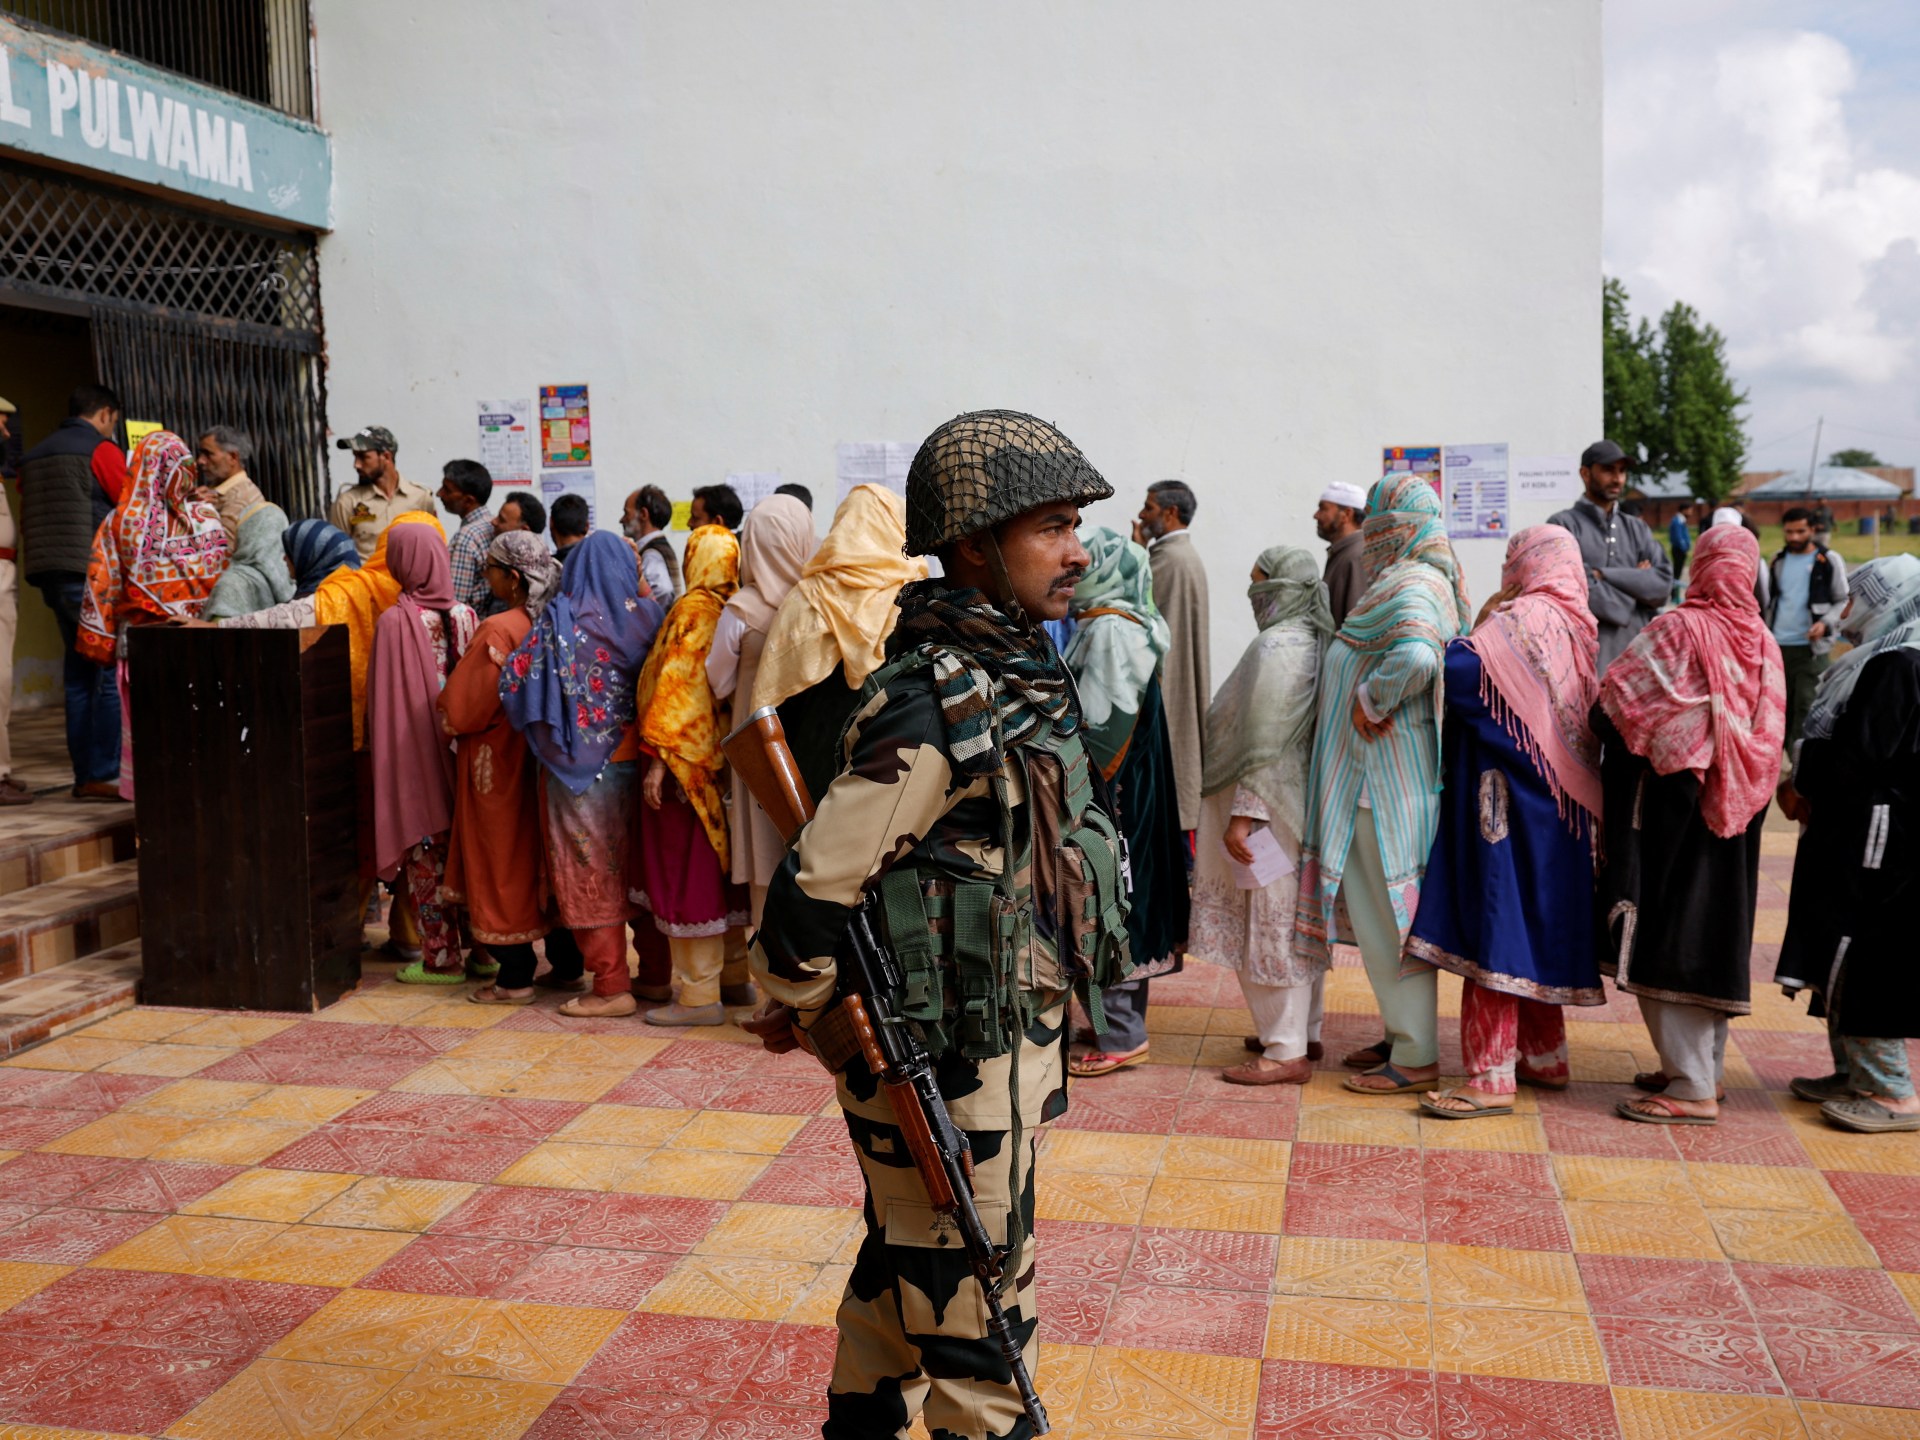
x: 913, y: 1321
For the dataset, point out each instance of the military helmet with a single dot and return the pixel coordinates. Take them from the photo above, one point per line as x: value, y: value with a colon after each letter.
x: 987, y: 466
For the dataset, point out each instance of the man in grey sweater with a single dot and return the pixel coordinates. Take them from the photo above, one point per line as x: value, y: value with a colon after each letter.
x: 1629, y: 576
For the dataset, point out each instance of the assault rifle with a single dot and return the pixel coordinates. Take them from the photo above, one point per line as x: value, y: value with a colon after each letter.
x: 864, y: 1023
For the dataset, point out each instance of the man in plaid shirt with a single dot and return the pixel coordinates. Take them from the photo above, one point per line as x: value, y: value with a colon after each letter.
x: 465, y: 488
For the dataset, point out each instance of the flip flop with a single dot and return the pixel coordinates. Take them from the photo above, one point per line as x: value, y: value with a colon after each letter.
x: 1868, y: 1116
x: 1671, y: 1116
x: 1478, y: 1109
x: 1370, y: 1057
x: 490, y: 995
x: 1103, y: 1062
x: 1401, y: 1084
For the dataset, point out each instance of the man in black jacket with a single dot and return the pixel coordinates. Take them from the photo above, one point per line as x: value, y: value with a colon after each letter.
x: 69, y: 483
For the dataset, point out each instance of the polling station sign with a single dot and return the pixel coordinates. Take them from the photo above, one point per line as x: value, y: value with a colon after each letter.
x: 69, y: 101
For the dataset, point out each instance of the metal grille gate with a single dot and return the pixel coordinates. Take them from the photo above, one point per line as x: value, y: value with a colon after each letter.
x: 196, y: 321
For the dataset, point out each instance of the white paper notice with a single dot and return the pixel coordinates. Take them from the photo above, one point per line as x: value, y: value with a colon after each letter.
x: 1476, y: 492
x: 506, y: 440
x: 1270, y: 862
x: 1554, y: 479
x: 555, y: 483
x: 873, y: 462
x: 753, y: 486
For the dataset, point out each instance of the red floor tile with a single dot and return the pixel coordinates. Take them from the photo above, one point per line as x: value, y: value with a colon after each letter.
x: 87, y: 1090
x: 585, y: 1412
x: 1072, y: 1312
x: 669, y: 1224
x: 679, y: 1355
x: 68, y: 1235
x: 49, y: 1179
x: 1204, y: 1259
x: 23, y: 1127
x: 1488, y: 1172
x: 1508, y: 1222
x: 1587, y: 1132
x: 810, y: 1180
x: 123, y: 1388
x: 1687, y: 1355
x: 794, y: 1368
x: 425, y: 1156
x: 1369, y: 1167
x: 454, y: 1265
x: 1303, y: 1401
x: 1270, y: 1117
x: 679, y: 1089
x: 822, y: 1135
x: 516, y: 1212
x: 321, y: 1037
x: 719, y: 1057
x: 191, y: 1314
x: 302, y: 1067
x: 1847, y: 1367
x: 1825, y: 1298
x: 757, y: 1420
x: 1354, y: 1214
x: 156, y: 1186
x: 1637, y: 1288
x: 777, y: 1094
x: 1213, y: 1322
x: 1077, y: 1250
x: 1488, y: 1407
x: 1109, y: 1111
x: 583, y: 1275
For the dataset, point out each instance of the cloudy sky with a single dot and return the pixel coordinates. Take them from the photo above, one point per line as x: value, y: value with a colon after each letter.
x: 1763, y: 164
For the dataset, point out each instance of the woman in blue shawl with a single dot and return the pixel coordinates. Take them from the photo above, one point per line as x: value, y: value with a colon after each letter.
x: 569, y: 688
x: 314, y: 550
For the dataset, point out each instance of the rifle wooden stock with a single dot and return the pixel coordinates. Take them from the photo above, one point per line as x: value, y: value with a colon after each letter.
x: 760, y: 756
x: 906, y: 1110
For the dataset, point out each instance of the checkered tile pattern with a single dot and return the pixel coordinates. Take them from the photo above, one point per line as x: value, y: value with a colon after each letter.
x: 413, y: 1216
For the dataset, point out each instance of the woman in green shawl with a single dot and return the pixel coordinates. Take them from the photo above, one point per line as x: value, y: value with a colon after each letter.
x: 1259, y: 748
x: 1115, y: 657
x: 256, y: 578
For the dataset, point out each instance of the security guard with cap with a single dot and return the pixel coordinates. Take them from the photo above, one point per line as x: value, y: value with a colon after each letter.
x: 967, y: 806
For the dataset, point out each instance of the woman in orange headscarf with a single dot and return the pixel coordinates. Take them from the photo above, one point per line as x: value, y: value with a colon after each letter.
x: 685, y: 854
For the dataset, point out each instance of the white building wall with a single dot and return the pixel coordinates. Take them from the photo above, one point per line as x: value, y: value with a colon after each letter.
x: 1246, y: 243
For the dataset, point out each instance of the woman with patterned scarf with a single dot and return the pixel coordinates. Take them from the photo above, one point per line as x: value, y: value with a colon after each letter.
x: 157, y: 557
x: 1514, y: 855
x: 494, y: 865
x: 1114, y: 656
x: 1374, y: 796
x: 686, y: 879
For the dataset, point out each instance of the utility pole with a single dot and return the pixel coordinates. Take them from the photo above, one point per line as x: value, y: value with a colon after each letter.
x: 1814, y: 463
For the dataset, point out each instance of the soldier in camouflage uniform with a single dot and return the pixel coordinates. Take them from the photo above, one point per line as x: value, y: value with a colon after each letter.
x: 966, y: 804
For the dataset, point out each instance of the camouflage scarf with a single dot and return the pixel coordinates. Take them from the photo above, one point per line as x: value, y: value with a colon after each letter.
x: 991, y: 675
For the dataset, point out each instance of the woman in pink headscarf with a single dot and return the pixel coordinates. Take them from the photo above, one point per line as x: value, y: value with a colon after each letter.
x: 1510, y: 877
x: 416, y: 644
x: 1691, y: 720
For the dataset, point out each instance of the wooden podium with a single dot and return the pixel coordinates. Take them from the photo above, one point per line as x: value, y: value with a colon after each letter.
x: 244, y: 804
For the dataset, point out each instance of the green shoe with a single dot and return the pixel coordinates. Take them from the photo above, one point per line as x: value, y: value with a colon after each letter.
x: 418, y: 974
x: 483, y: 969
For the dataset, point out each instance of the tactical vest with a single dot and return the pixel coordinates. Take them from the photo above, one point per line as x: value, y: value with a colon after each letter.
x: 976, y: 953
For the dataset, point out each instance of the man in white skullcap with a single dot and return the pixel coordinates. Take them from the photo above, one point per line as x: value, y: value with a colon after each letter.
x: 1342, y: 507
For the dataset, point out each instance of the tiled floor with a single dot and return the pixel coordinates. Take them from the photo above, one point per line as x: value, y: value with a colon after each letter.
x: 412, y: 1216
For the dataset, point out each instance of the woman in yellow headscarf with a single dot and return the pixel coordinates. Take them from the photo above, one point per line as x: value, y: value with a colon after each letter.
x: 685, y: 853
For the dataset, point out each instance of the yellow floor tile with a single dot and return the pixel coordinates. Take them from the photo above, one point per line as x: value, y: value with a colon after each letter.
x: 471, y: 1407
x: 541, y: 1344
x: 462, y: 1077
x: 1859, y: 1422
x: 1211, y: 1157
x: 1513, y: 1134
x: 1661, y: 1232
x: 1515, y: 1279
x: 739, y: 1132
x: 1335, y: 1331
x: 1599, y: 1065
x: 191, y: 1245
x: 1792, y: 1237
x: 209, y: 1099
x: 457, y: 1014
x: 731, y: 1289
x: 1525, y: 1344
x: 19, y: 1279
x: 1622, y: 1181
x: 1354, y: 1125
x: 1168, y: 1020
x: 1096, y: 1152
x: 529, y: 1048
x: 1168, y: 1395
x: 1060, y: 1376
x: 559, y: 1080
x: 1672, y: 1414
x: 128, y: 1137
x: 1103, y: 1199
x: 314, y: 1104
x: 374, y: 1328
x: 1215, y: 1205
x: 1235, y: 1021
x: 1329, y: 1087
x: 166, y: 1058
x: 608, y: 1052
x: 382, y: 1202
x: 319, y: 1255
x: 1834, y: 1149
x: 566, y: 1165
x: 231, y: 1030
x: 1352, y: 1269
x: 696, y: 1174
x: 72, y: 1052
x: 819, y: 1303
x: 287, y: 1400
x: 365, y: 1010
x: 282, y: 1195
x: 641, y: 1126
x: 810, y: 1233
x: 233, y: 1141
x: 1909, y: 1286
x: 142, y: 1024
x: 1761, y: 1187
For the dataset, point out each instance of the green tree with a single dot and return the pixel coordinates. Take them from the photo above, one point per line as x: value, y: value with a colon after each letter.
x: 1700, y: 405
x: 1854, y: 459
x: 1630, y: 381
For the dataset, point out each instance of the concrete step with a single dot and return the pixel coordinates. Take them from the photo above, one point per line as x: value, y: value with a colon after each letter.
x: 59, y: 921
x: 39, y: 1007
x: 58, y: 836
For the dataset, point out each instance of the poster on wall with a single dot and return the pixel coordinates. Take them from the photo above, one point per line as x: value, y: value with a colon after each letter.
x: 138, y: 430
x: 554, y: 484
x: 566, y: 428
x: 1474, y: 490
x: 873, y: 462
x: 1419, y: 459
x: 753, y: 486
x: 1548, y: 479
x: 506, y: 440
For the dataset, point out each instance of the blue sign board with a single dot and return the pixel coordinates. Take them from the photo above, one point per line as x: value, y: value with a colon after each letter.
x: 69, y: 101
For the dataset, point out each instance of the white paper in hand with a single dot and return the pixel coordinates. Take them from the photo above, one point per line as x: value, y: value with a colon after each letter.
x: 1270, y: 862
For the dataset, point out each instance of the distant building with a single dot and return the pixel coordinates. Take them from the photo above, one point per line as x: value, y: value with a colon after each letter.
x: 1766, y: 494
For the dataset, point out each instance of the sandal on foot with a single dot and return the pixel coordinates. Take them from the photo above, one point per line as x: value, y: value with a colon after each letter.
x: 1822, y: 1089
x: 573, y: 1011
x: 1868, y: 1116
x: 418, y: 974
x: 1667, y: 1115
x: 1474, y: 1111
x: 677, y: 1014
x: 1400, y: 1085
x: 1104, y: 1062
x: 491, y: 995
x: 1262, y: 1071
x: 1257, y: 1046
x: 1372, y: 1057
